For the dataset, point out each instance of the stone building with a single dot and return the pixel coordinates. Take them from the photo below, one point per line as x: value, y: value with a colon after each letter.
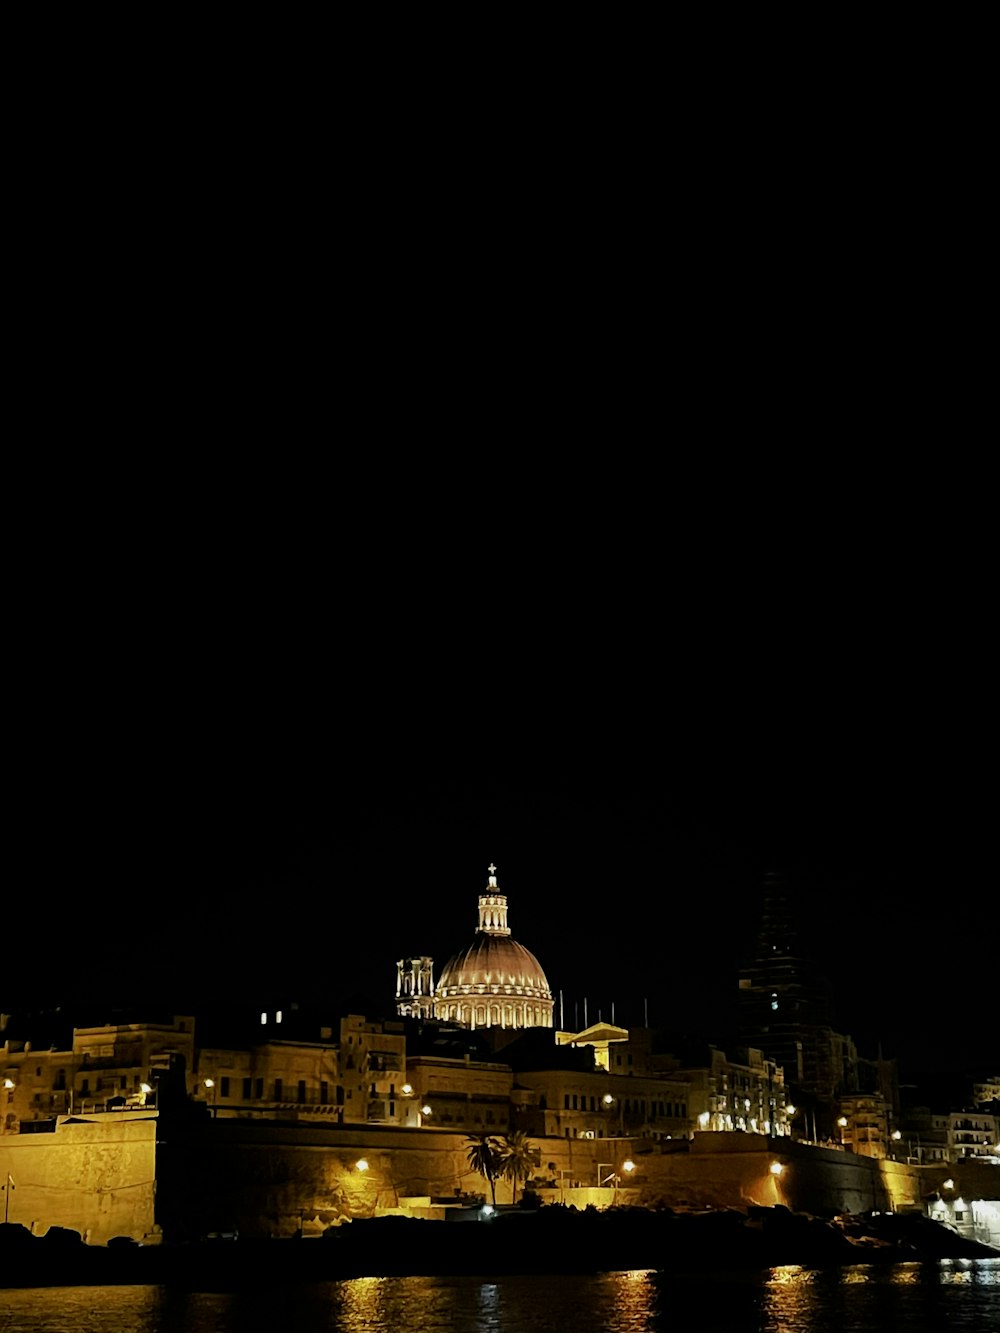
x: 493, y: 982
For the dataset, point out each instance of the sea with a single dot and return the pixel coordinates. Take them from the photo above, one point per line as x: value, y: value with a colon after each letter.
x: 953, y: 1296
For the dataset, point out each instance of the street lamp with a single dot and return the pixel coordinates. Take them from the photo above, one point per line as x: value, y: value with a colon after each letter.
x: 609, y: 1101
x: 210, y: 1083
x: 842, y: 1122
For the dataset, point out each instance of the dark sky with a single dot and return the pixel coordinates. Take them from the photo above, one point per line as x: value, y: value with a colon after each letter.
x: 265, y: 881
x: 269, y: 749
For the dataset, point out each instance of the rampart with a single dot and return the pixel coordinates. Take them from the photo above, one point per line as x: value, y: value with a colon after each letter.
x: 139, y: 1175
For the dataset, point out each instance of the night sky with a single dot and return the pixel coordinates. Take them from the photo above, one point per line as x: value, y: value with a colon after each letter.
x: 264, y: 755
x: 250, y: 884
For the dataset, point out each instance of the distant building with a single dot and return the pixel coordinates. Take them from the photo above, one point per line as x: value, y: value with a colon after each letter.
x: 493, y: 982
x: 785, y: 1010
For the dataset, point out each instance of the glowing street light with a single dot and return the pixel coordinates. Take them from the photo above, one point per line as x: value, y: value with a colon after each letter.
x: 776, y: 1168
x: 210, y: 1083
x: 361, y: 1165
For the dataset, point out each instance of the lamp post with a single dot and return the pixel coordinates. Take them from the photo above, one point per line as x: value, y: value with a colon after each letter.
x: 842, y: 1122
x: 210, y: 1083
x: 609, y: 1102
x: 7, y: 1187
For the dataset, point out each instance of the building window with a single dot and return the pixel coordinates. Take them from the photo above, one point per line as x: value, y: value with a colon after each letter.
x: 224, y: 1086
x: 259, y: 1089
x: 246, y: 1089
x: 566, y: 1101
x: 277, y: 1089
x: 324, y: 1094
x: 302, y: 1090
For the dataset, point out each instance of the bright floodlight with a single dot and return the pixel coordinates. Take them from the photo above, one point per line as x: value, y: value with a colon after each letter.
x: 407, y: 1089
x: 897, y: 1134
x: 487, y: 1210
x: 145, y: 1087
x: 628, y: 1164
x: 790, y: 1110
x: 425, y: 1110
x: 361, y: 1164
x: 776, y: 1168
x: 210, y: 1083
x: 607, y: 1099
x: 949, y: 1184
x: 842, y: 1122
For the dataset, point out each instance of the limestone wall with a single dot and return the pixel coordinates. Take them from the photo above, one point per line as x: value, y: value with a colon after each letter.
x: 95, y: 1176
x: 261, y: 1178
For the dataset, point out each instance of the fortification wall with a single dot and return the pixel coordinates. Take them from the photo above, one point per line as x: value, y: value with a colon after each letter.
x: 95, y: 1176
x: 102, y: 1176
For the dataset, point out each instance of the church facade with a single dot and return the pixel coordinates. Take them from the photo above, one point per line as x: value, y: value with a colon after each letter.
x: 493, y: 982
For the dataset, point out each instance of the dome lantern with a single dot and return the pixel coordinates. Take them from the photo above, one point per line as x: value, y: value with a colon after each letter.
x: 495, y: 982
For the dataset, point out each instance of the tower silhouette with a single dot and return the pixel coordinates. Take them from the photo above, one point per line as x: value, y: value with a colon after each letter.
x: 785, y: 1004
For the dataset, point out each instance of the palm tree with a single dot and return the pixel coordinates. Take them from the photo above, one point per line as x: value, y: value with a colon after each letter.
x: 485, y: 1156
x: 517, y: 1157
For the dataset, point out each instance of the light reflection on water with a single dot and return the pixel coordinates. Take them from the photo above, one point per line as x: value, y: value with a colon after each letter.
x: 947, y: 1297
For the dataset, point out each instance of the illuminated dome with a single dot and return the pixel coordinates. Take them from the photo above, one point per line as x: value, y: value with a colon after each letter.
x: 495, y: 982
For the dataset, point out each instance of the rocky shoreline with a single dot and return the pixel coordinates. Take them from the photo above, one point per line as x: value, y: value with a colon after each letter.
x: 547, y: 1240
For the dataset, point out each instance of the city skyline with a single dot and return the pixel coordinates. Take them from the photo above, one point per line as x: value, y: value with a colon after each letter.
x: 636, y: 900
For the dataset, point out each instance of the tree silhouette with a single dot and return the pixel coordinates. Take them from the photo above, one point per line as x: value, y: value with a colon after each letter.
x: 517, y: 1157
x: 485, y: 1155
